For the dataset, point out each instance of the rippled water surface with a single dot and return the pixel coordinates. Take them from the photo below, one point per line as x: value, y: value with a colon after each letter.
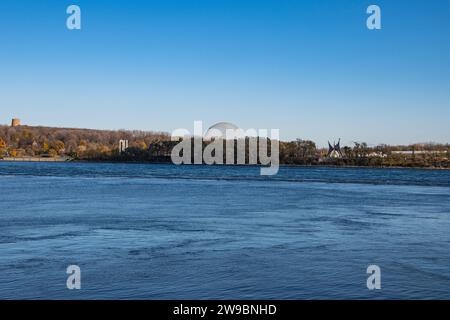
x: 166, y: 232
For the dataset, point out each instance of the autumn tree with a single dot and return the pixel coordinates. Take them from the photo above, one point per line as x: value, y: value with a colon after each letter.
x: 2, y: 146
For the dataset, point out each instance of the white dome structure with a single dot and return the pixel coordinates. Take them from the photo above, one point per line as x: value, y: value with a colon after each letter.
x: 219, y: 130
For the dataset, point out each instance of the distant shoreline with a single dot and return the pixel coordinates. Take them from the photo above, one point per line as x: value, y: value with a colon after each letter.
x: 49, y: 144
x: 36, y: 159
x: 61, y: 160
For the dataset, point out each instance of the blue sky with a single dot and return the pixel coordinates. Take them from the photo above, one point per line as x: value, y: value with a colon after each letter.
x: 310, y: 68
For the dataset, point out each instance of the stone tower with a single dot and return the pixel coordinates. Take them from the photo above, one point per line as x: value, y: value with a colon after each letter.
x: 15, y: 122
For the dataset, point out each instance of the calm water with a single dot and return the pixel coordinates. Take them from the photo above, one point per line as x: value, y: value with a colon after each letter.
x: 167, y: 232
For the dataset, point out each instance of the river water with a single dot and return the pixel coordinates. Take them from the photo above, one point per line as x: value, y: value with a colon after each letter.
x: 147, y: 231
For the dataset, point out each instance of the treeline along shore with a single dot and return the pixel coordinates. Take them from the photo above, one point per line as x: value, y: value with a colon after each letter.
x: 36, y: 143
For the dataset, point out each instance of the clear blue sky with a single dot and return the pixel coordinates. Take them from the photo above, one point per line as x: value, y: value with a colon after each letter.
x: 310, y: 68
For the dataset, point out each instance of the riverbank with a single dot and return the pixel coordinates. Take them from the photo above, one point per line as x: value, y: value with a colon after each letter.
x: 321, y: 165
x: 36, y: 159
